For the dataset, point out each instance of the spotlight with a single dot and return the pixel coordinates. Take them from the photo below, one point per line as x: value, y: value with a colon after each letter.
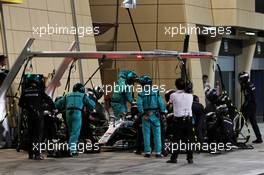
x: 250, y: 33
x: 226, y: 45
x: 258, y: 48
x: 131, y: 4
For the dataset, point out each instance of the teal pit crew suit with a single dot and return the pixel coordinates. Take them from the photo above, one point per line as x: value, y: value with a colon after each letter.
x: 74, y: 103
x: 150, y: 106
x: 123, y: 92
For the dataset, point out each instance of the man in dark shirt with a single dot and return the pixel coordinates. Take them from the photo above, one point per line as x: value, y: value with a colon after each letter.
x: 249, y: 106
x: 32, y: 102
x: 199, y: 117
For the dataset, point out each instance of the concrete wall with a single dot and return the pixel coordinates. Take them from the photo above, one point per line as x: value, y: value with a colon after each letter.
x: 20, y: 20
x: 237, y: 13
x: 152, y: 16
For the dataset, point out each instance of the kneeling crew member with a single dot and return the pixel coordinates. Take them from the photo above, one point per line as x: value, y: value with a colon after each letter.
x: 182, y: 109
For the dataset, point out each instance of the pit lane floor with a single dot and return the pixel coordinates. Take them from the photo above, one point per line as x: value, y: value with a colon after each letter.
x: 236, y: 162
